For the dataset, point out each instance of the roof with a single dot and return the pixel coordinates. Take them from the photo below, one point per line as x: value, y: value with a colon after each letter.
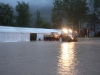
x: 27, y: 30
x: 8, y: 29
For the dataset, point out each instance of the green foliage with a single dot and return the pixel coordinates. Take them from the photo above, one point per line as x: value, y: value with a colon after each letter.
x: 38, y: 20
x: 23, y: 14
x: 6, y: 15
x: 94, y: 14
x: 75, y: 11
x: 57, y: 14
x: 40, y: 23
x: 83, y: 32
x: 95, y: 6
x: 72, y: 11
x: 45, y: 25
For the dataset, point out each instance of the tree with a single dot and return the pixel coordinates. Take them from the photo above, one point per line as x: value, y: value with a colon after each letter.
x: 46, y: 25
x: 83, y: 32
x: 75, y: 12
x: 6, y: 15
x: 94, y: 14
x: 23, y: 14
x: 57, y: 14
x: 38, y: 20
x: 40, y: 23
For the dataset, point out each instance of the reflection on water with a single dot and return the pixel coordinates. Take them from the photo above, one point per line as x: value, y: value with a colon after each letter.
x: 66, y: 59
x: 51, y: 58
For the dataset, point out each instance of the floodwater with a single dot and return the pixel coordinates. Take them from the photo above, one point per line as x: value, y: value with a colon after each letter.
x: 51, y: 58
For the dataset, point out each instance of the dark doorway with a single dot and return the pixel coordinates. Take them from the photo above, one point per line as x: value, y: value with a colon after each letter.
x: 33, y: 36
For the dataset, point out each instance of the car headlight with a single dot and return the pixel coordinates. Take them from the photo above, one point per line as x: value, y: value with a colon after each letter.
x: 72, y: 38
x: 70, y: 30
x: 65, y: 30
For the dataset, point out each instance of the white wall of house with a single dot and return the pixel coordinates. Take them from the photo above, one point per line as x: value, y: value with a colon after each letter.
x: 25, y: 36
x: 16, y: 34
x: 9, y: 34
x: 40, y: 36
x: 10, y: 37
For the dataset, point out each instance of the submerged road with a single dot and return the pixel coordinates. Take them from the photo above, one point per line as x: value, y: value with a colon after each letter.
x: 50, y: 58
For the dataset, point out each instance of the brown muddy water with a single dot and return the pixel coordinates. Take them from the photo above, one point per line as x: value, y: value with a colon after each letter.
x: 50, y: 57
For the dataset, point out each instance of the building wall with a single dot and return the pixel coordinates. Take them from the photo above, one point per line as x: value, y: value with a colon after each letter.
x: 25, y: 36
x: 40, y: 36
x: 10, y: 37
x: 16, y: 34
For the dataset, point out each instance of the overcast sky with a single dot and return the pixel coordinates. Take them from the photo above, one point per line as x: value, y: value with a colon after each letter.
x: 31, y: 2
x: 44, y: 6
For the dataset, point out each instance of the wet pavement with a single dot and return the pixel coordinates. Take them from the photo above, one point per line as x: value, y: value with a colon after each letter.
x: 51, y: 58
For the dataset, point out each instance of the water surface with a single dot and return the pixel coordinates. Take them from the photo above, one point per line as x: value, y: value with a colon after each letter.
x: 51, y: 58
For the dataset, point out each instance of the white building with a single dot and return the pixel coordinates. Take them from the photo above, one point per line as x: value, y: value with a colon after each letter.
x: 16, y: 34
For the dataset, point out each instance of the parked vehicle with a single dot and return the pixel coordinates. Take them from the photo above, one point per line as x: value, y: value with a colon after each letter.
x: 53, y: 36
x: 68, y: 35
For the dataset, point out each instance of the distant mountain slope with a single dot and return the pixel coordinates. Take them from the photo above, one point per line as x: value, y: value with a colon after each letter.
x: 45, y: 12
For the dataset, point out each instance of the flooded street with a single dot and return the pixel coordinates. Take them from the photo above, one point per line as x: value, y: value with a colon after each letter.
x: 51, y: 57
